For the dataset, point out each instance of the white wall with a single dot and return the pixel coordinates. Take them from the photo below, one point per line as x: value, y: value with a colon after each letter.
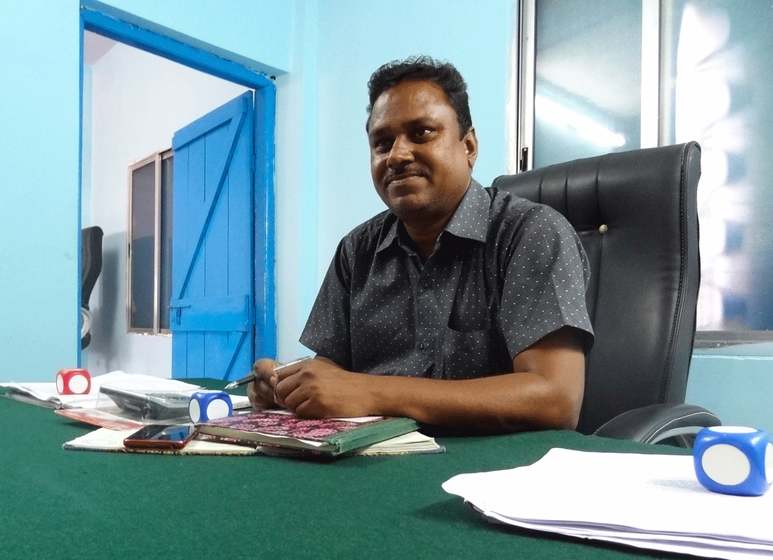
x: 138, y: 102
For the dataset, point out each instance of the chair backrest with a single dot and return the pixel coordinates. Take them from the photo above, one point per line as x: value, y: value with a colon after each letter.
x: 91, y: 261
x: 636, y: 214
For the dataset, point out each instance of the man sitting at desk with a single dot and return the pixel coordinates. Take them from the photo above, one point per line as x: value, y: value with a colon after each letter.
x: 458, y: 306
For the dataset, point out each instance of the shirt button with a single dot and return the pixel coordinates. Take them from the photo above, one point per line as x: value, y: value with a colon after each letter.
x: 426, y: 284
x: 422, y: 345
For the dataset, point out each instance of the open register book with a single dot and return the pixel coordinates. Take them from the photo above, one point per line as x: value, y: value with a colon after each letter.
x: 283, y: 432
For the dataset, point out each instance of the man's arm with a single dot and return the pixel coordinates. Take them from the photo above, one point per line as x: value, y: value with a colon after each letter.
x: 544, y: 392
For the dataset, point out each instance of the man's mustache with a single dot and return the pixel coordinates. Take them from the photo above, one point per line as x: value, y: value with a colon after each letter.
x: 409, y: 170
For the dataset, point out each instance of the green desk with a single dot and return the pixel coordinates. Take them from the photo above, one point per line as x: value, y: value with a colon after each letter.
x: 84, y: 505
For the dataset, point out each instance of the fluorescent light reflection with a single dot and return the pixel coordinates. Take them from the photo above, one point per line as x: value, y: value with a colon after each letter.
x: 580, y: 125
x: 708, y: 64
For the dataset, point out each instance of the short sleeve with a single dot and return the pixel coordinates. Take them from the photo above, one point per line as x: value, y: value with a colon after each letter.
x: 327, y: 331
x: 545, y: 282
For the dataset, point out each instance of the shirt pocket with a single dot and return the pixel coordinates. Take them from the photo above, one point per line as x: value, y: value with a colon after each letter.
x: 473, y: 354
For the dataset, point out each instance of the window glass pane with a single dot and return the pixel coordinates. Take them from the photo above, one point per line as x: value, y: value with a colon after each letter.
x: 588, y: 78
x: 143, y: 208
x: 718, y: 60
x: 165, y: 294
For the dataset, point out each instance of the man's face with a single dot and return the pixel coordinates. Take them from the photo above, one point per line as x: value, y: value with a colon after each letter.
x: 420, y: 167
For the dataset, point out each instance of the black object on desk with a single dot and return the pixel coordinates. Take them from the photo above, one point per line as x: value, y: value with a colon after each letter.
x: 151, y: 405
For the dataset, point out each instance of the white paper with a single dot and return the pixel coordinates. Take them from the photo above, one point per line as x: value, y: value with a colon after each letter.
x: 650, y: 501
x: 47, y: 393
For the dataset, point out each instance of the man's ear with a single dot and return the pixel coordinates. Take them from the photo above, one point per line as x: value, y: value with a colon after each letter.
x: 471, y: 146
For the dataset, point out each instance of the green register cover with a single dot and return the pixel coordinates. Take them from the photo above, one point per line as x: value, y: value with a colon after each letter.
x: 325, y: 436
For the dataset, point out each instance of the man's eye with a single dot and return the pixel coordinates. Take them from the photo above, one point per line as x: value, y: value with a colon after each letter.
x: 422, y: 133
x: 382, y: 145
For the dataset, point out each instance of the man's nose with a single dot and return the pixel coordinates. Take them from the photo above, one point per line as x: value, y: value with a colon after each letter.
x: 400, y: 153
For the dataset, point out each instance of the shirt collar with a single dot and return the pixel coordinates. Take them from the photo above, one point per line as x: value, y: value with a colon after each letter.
x: 472, y: 215
x: 470, y: 220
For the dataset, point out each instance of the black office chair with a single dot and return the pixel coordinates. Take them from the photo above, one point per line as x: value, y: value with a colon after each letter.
x: 636, y: 214
x: 91, y: 267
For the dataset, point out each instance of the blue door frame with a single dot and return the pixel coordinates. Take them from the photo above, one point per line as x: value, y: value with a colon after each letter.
x: 131, y: 30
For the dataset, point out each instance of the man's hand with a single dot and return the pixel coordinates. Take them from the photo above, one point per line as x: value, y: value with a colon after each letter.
x: 261, y: 391
x: 320, y: 389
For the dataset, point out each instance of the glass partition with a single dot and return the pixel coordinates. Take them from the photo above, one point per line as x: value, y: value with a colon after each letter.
x: 614, y: 75
x: 587, y: 84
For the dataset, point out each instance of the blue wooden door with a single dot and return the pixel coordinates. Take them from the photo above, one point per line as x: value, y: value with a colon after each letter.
x: 213, y: 245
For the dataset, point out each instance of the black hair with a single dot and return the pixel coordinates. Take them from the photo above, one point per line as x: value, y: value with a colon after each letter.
x: 424, y: 68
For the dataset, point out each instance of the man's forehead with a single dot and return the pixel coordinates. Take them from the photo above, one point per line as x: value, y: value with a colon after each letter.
x: 410, y: 101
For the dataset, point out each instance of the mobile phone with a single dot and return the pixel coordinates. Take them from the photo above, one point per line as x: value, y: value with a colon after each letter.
x: 160, y: 436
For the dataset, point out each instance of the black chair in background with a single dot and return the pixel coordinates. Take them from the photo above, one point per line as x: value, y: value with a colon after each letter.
x: 636, y: 214
x: 91, y: 267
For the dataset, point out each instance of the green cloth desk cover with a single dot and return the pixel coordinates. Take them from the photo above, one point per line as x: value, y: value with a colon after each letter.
x: 83, y: 505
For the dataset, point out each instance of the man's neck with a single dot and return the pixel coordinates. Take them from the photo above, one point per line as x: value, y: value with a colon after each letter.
x: 425, y: 229
x: 426, y: 238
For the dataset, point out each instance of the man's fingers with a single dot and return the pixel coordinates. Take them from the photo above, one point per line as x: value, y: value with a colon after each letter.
x: 261, y: 394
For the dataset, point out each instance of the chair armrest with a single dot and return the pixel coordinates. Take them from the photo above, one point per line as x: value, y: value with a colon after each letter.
x: 652, y: 424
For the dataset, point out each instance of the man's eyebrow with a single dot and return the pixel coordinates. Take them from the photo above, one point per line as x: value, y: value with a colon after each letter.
x: 374, y: 131
x: 425, y: 120
x: 413, y: 123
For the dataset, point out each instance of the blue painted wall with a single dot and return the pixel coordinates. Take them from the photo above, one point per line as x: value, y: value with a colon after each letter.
x: 39, y: 109
x: 322, y: 54
x: 257, y: 32
x: 355, y: 38
x: 736, y: 383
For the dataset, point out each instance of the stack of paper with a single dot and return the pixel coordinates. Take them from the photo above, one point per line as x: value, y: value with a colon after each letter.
x: 647, y: 501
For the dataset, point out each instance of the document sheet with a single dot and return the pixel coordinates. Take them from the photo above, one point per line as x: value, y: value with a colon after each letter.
x: 642, y: 500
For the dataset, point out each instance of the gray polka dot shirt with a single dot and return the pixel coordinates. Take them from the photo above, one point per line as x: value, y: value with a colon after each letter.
x: 505, y: 272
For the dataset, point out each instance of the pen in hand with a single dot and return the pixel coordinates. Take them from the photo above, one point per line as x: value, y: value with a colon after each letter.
x: 252, y: 377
